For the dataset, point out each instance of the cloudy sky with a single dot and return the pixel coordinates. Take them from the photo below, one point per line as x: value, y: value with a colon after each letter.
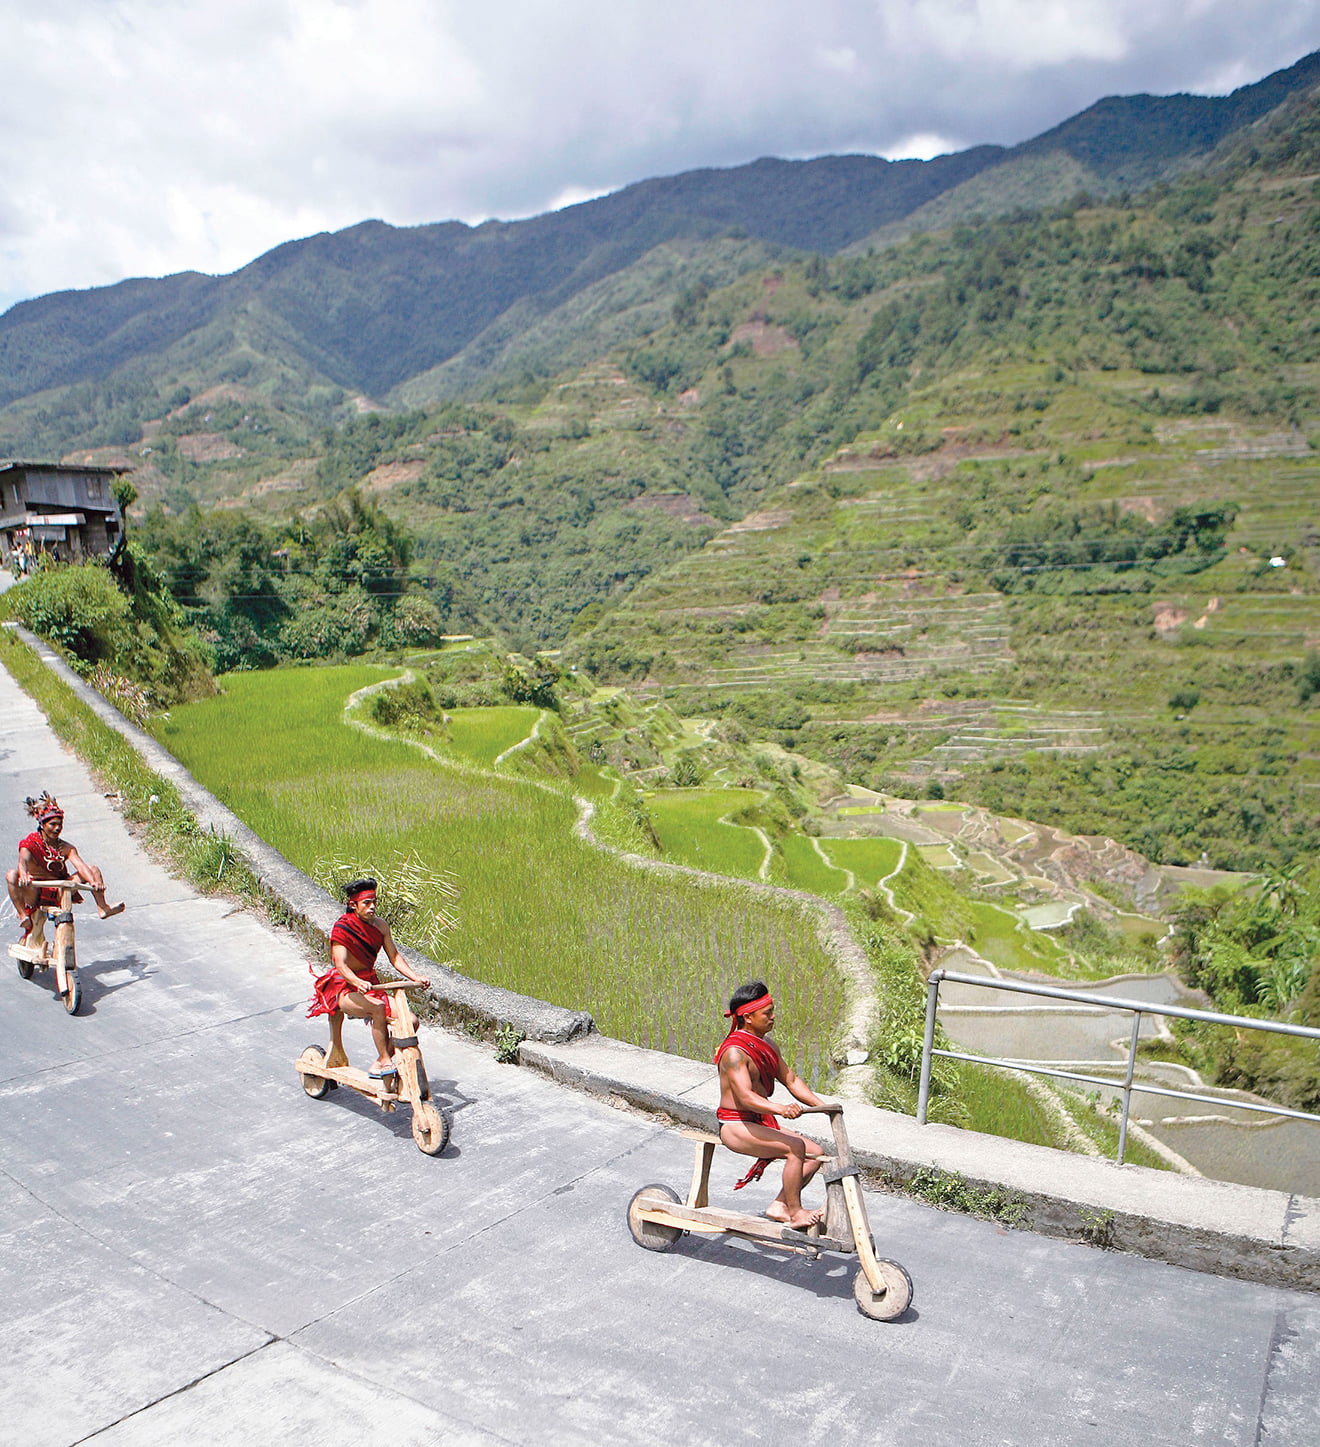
x: 142, y: 137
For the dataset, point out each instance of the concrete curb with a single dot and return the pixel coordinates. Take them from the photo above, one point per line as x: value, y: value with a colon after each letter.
x: 1271, y: 1237
x: 455, y: 998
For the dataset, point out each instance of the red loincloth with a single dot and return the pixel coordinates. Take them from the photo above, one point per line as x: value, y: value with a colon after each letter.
x: 363, y: 942
x: 768, y: 1063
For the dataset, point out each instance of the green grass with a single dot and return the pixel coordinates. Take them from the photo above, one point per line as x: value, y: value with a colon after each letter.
x: 689, y: 824
x: 997, y: 1104
x: 540, y: 912
x: 1103, y: 1130
x: 869, y: 859
x: 483, y: 734
x: 801, y: 867
x: 146, y: 798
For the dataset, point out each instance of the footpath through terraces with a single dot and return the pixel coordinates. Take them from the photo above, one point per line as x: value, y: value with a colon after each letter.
x: 193, y: 1250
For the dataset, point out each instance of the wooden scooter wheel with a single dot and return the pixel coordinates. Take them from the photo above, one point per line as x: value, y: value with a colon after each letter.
x: 430, y: 1128
x: 890, y: 1303
x: 651, y: 1235
x: 73, y: 994
x: 315, y: 1085
x: 26, y: 968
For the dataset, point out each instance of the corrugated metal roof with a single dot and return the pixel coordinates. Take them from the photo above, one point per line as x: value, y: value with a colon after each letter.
x: 15, y: 466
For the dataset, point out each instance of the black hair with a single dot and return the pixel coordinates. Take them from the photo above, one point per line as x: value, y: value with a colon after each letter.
x: 356, y: 886
x: 744, y: 995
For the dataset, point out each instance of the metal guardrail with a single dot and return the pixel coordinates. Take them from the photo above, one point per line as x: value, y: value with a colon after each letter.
x: 1110, y: 1003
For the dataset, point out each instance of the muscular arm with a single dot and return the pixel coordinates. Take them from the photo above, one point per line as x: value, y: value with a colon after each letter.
x: 396, y: 960
x: 24, y: 866
x: 736, y: 1077
x: 795, y: 1085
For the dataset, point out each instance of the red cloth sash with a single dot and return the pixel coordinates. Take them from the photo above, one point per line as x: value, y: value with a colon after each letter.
x: 361, y: 939
x: 331, y: 985
x: 768, y: 1063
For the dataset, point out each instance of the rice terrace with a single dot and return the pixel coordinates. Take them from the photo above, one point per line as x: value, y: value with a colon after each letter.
x: 540, y: 911
x: 364, y: 768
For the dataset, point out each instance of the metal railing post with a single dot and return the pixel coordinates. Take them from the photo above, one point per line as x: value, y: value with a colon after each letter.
x: 932, y: 1004
x: 1127, y: 1085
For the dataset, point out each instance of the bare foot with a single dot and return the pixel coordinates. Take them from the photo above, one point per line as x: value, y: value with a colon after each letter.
x: 777, y: 1211
x: 800, y: 1220
x: 112, y: 909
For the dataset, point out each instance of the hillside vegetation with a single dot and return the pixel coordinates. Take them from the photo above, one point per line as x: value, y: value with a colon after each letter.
x: 1065, y: 564
x: 1020, y: 513
x: 433, y: 312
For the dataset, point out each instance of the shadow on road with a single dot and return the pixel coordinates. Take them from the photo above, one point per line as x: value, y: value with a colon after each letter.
x: 445, y: 1093
x: 830, y: 1278
x: 94, y: 988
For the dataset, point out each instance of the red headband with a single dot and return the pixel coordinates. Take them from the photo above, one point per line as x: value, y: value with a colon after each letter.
x: 47, y: 814
x: 750, y: 1008
x: 362, y: 894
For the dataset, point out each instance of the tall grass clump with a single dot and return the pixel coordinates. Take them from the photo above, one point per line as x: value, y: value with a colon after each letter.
x: 654, y: 958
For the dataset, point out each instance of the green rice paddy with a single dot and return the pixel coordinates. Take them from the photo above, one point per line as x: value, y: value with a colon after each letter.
x: 1003, y: 940
x: 803, y: 868
x: 869, y: 859
x: 483, y: 734
x: 691, y: 827
x: 541, y: 912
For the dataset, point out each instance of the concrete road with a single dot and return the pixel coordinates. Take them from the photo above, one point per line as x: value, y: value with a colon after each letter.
x: 193, y: 1250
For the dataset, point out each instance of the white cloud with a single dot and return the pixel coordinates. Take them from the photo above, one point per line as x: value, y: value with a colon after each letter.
x: 921, y: 146
x: 144, y: 136
x: 842, y: 59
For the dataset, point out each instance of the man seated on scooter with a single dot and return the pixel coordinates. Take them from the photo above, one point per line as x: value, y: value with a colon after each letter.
x: 43, y: 854
x: 750, y: 1064
x: 345, y: 988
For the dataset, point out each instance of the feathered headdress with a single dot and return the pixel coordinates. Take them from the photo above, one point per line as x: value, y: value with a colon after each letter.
x: 45, y: 806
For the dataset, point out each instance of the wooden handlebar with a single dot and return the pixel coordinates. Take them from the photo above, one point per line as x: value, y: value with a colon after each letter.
x: 397, y: 985
x: 834, y: 1108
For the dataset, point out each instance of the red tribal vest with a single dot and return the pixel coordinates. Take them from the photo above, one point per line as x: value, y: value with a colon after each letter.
x: 48, y: 854
x: 762, y: 1053
x: 361, y: 939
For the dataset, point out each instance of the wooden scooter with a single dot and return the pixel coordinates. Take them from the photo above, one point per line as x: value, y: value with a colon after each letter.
x: 38, y: 953
x: 322, y: 1073
x: 657, y: 1217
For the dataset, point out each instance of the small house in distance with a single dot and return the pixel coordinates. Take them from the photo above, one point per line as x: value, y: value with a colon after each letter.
x: 60, y: 508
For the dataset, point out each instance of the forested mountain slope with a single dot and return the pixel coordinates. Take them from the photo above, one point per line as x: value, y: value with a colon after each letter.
x: 1068, y: 562
x: 369, y: 309
x: 1023, y: 512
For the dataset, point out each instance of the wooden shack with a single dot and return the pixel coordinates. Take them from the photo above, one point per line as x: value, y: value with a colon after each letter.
x: 60, y: 508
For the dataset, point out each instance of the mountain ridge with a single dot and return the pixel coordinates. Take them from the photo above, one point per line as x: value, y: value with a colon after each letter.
x: 371, y: 307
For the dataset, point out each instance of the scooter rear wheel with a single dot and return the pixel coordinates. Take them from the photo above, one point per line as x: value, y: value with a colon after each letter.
x: 890, y: 1303
x: 315, y: 1085
x: 651, y: 1235
x: 26, y: 968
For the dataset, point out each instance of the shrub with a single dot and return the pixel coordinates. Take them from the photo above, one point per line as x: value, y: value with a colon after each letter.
x: 79, y: 609
x: 406, y: 705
